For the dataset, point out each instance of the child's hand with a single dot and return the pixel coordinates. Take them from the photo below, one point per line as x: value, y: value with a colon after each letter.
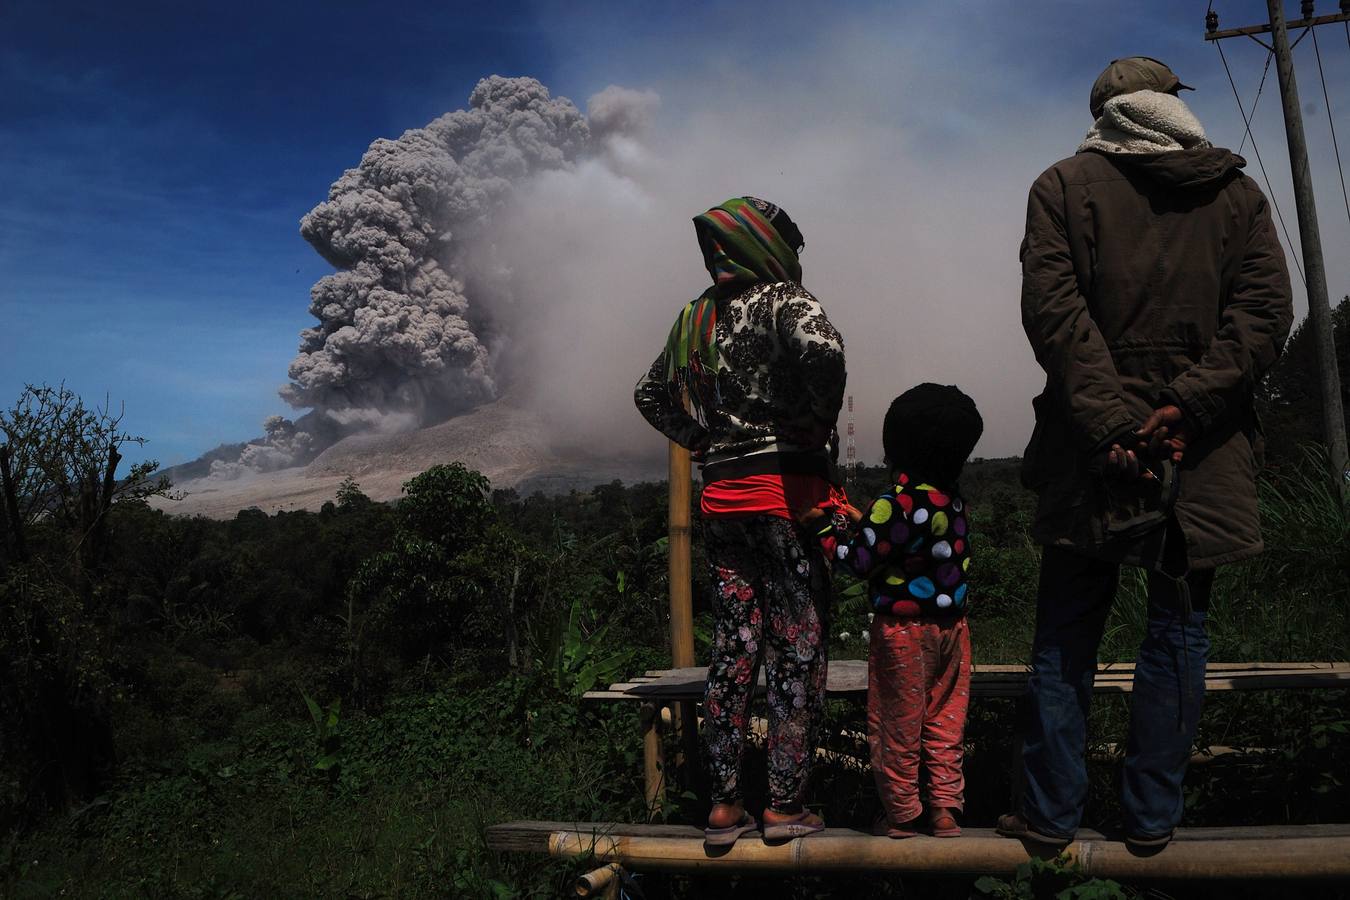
x: 854, y: 514
x: 811, y: 515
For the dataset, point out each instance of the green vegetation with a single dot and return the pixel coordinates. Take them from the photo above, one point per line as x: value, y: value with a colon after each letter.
x: 338, y: 703
x: 1057, y: 878
x: 1289, y: 400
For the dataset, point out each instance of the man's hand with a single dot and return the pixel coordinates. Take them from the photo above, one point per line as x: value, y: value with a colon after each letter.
x: 1121, y: 464
x: 1165, y: 434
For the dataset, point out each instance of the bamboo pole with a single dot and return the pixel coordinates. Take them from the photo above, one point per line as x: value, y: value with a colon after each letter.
x: 979, y: 851
x: 596, y: 881
x: 681, y: 597
x: 681, y: 600
x: 681, y: 622
x: 653, y: 759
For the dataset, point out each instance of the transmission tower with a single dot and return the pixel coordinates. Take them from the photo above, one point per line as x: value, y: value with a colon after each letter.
x: 851, y: 453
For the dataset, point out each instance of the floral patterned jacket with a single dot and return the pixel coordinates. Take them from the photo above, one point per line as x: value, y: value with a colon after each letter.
x: 780, y: 379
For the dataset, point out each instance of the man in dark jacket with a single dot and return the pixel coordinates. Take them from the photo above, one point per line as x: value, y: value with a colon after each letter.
x: 1155, y: 296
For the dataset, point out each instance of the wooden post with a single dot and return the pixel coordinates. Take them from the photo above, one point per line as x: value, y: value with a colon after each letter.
x: 653, y: 759
x: 681, y: 601
x: 681, y: 634
x: 1017, y: 768
x: 1319, y: 309
x: 601, y: 882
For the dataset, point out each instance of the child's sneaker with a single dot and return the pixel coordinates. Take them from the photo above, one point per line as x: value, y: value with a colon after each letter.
x: 882, y: 827
x: 943, y: 823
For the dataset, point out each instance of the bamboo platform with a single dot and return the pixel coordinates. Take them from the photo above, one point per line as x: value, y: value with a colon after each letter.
x: 1256, y: 852
x: 848, y: 677
x: 660, y: 689
x: 668, y: 700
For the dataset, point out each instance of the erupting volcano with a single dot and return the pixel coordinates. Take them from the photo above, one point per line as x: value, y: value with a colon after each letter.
x: 409, y: 363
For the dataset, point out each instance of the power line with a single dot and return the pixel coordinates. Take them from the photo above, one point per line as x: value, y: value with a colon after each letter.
x: 1270, y: 54
x: 1340, y: 170
x: 1270, y: 192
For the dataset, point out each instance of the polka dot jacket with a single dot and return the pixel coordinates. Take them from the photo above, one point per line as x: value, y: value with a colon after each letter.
x: 913, y: 547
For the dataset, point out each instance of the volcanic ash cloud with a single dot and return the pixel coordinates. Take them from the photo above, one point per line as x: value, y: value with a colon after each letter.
x: 398, y: 333
x: 422, y: 318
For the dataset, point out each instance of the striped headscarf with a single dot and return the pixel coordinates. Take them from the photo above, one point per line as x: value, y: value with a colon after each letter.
x: 745, y: 241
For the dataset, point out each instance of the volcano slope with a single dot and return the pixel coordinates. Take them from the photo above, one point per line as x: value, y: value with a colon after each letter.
x: 504, y: 442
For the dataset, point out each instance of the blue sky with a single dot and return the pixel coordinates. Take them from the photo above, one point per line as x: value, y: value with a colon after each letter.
x: 155, y: 158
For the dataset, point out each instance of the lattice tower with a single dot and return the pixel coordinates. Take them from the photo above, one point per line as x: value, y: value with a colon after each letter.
x: 851, y: 453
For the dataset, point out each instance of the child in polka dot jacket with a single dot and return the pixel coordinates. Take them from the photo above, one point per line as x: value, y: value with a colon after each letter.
x: 912, y: 544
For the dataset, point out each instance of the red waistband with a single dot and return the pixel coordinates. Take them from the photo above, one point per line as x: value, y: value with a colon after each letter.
x: 785, y: 496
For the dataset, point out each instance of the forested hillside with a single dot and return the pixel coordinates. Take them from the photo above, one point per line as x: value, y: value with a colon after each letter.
x: 337, y: 703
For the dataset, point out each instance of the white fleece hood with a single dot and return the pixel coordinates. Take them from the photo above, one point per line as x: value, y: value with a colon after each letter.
x: 1145, y: 122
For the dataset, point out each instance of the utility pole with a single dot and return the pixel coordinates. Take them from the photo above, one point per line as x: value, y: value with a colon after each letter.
x: 1319, y: 308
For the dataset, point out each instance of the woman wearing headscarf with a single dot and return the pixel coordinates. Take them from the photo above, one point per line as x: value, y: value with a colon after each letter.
x: 751, y: 381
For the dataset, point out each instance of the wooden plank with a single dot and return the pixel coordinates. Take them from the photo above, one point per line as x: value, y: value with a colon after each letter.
x: 1248, y: 852
x: 1278, y: 681
x: 1227, y: 666
x: 1000, y: 668
x: 849, y: 677
x: 532, y: 836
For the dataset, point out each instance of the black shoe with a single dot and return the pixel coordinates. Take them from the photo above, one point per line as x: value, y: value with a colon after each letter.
x: 1014, y: 826
x: 1149, y: 842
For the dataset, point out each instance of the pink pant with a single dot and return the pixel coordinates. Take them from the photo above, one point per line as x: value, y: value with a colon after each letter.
x: 918, y: 690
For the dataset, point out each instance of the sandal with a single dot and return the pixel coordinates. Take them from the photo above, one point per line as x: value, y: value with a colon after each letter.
x: 943, y: 823
x: 799, y: 825
x: 725, y: 837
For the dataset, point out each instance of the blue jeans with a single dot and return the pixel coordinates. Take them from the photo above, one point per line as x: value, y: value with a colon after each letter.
x: 1074, y: 598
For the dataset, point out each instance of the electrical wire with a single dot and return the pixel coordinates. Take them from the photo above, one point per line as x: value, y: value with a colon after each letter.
x: 1332, y: 122
x: 1259, y: 88
x: 1269, y: 191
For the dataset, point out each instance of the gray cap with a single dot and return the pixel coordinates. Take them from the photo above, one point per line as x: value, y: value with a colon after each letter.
x: 1133, y: 73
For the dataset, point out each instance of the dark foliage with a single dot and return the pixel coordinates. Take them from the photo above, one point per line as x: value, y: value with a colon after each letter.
x: 1289, y: 400
x: 337, y: 703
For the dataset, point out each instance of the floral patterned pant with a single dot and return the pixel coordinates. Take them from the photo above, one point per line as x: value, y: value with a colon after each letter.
x: 772, y: 591
x: 918, y: 692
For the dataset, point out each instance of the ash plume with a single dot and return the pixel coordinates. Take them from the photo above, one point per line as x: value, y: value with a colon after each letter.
x: 413, y: 326
x: 398, y: 332
x: 282, y: 443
